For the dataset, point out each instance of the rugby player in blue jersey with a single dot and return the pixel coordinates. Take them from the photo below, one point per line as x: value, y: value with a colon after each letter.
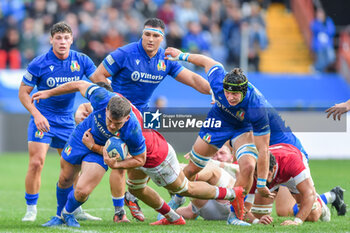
x: 136, y: 70
x: 111, y: 116
x: 248, y: 121
x: 51, y: 120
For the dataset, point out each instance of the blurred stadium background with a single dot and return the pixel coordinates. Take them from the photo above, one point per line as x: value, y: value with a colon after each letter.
x: 279, y: 61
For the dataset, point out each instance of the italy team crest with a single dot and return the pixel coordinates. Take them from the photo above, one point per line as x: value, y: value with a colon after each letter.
x: 161, y: 65
x: 39, y: 134
x: 207, y: 138
x: 240, y: 114
x: 75, y: 66
x: 68, y: 150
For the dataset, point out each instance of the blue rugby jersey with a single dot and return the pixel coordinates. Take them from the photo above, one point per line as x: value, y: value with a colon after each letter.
x: 135, y: 75
x: 130, y: 133
x: 254, y: 110
x: 47, y: 72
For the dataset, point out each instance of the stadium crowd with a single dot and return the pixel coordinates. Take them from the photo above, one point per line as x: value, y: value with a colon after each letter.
x: 100, y: 26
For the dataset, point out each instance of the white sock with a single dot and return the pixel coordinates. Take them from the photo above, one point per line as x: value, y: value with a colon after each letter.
x: 330, y: 196
x: 178, y: 199
x: 231, y: 194
x: 78, y: 210
x: 31, y: 208
x: 172, y: 216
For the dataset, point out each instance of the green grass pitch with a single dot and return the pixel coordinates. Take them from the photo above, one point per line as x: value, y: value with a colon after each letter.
x: 13, y: 167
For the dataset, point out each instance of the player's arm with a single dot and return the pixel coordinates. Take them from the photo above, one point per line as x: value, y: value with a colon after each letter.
x: 131, y: 162
x: 82, y: 112
x: 262, y: 145
x: 196, y: 59
x: 89, y: 142
x: 338, y: 109
x: 66, y: 88
x: 24, y: 95
x: 100, y: 75
x: 194, y: 80
x: 308, y: 197
x: 260, y: 211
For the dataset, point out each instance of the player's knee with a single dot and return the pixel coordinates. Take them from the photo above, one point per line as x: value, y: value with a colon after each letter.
x: 313, y: 216
x: 81, y: 194
x: 246, y: 169
x: 282, y: 212
x: 36, y: 164
x: 137, y: 185
x: 65, y: 181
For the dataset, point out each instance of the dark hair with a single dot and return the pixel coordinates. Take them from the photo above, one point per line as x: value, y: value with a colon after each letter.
x: 155, y: 23
x: 272, y: 162
x: 236, y: 81
x: 60, y: 27
x: 107, y: 86
x: 119, y: 107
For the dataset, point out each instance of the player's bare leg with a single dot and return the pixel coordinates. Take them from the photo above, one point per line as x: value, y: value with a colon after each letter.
x: 284, y: 202
x: 68, y: 174
x: 117, y: 185
x: 37, y: 154
x: 91, y: 175
x: 203, y: 149
x: 199, y: 157
x: 137, y: 182
x: 246, y: 155
x: 286, y: 205
x: 246, y: 163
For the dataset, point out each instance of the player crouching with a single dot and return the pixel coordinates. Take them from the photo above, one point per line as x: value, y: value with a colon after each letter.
x: 288, y: 167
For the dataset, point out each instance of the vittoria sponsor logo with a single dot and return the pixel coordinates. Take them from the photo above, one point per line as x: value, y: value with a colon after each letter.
x: 56, y: 81
x: 101, y: 128
x: 146, y: 77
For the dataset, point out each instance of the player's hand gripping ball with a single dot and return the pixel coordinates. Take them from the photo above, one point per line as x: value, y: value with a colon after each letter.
x: 116, y: 148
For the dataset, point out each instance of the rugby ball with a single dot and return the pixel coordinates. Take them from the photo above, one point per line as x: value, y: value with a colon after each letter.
x: 116, y: 148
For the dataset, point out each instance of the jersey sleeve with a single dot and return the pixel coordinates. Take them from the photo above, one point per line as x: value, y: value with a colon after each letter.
x: 214, y: 72
x: 98, y: 96
x: 31, y: 76
x: 175, y: 68
x: 136, y: 141
x: 260, y: 121
x: 114, y: 61
x: 89, y: 66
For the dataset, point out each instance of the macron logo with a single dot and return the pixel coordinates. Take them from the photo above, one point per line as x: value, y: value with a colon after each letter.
x: 137, y: 61
x: 51, y: 68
